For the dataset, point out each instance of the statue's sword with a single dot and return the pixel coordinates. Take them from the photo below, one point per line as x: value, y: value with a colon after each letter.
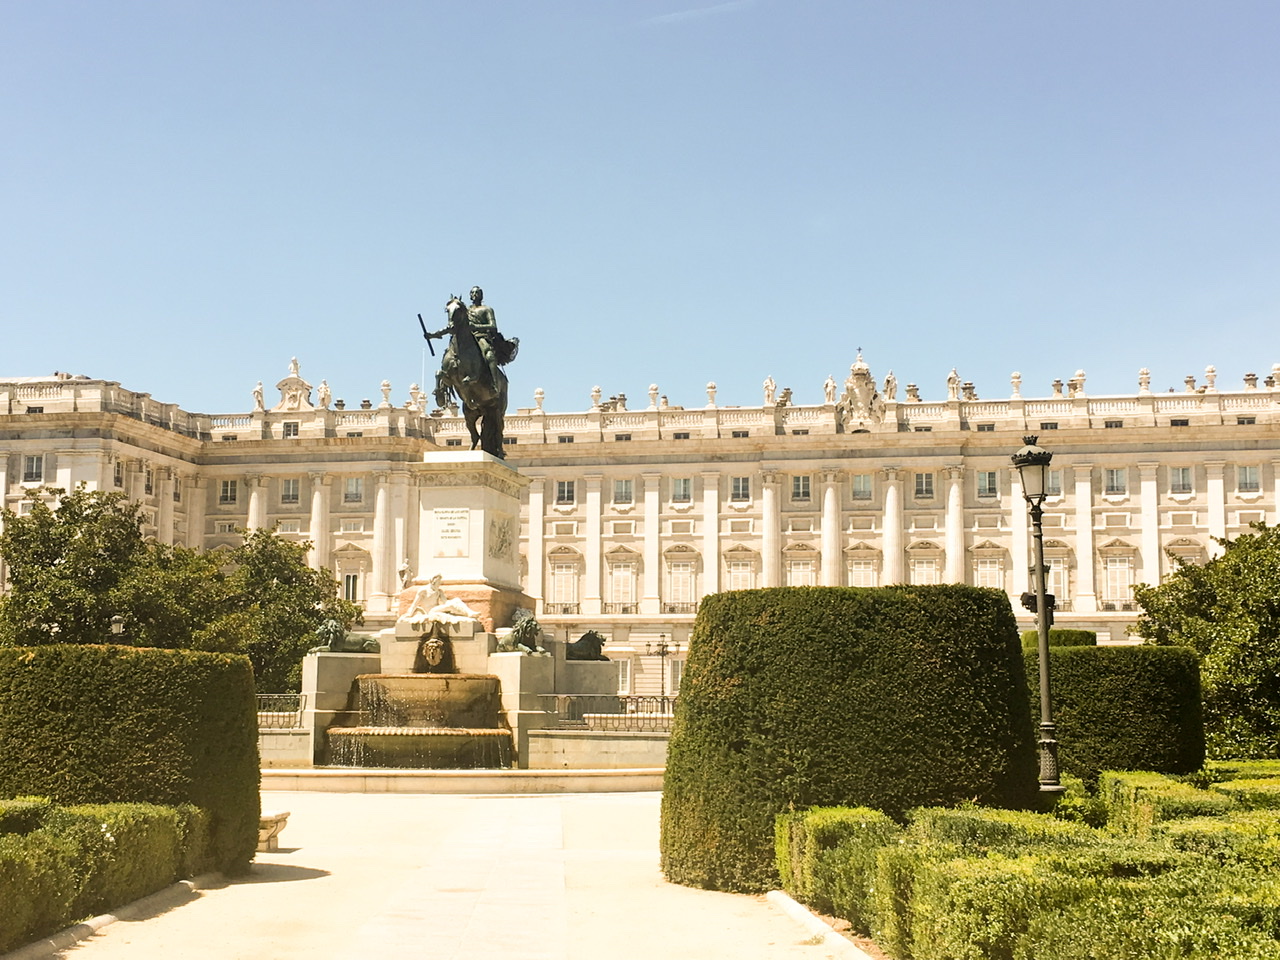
x: 426, y: 336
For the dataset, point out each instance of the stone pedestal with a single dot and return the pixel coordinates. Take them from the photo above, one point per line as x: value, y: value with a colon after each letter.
x: 326, y: 682
x: 471, y: 646
x: 526, y: 679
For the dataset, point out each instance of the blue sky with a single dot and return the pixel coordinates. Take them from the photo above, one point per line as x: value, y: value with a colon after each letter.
x: 193, y: 192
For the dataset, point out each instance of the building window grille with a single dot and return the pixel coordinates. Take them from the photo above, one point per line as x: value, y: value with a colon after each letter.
x: 742, y: 575
x: 987, y: 484
x: 353, y: 490
x: 564, y: 492
x: 622, y: 437
x: 1048, y: 424
x: 1116, y: 481
x: 564, y: 587
x: 453, y: 442
x: 352, y: 526
x: 35, y: 409
x: 289, y: 492
x: 291, y: 428
x: 564, y: 439
x: 360, y: 433
x: 681, y: 490
x: 229, y: 437
x: 510, y: 441
x: 1053, y: 483
x: 863, y: 573
x: 148, y: 481
x: 924, y: 572
x: 229, y: 491
x: 1180, y: 480
x: 986, y: 428
x: 1246, y: 421
x: 801, y: 573
x: 799, y: 433
x: 989, y: 572
x: 1180, y: 423
x: 862, y: 486
x: 1118, y: 579
x: 351, y: 587
x: 924, y: 486
x: 624, y: 676
x: 33, y: 469
x: 289, y: 526
x: 224, y: 526
x: 117, y: 475
x: 177, y: 490
x: 681, y: 435
x: 1058, y: 584
x: 741, y: 434
x: 623, y: 491
x: 622, y: 588
x: 1247, y: 479
x: 1113, y: 424
x: 740, y: 489
x: 680, y: 586
x: 800, y: 488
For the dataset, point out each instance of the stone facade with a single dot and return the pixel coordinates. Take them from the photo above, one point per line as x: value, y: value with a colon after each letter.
x: 629, y: 517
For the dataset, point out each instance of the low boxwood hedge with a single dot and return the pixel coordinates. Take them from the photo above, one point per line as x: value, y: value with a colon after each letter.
x: 1060, y: 637
x: 1137, y: 801
x: 888, y: 698
x: 1123, y: 708
x: 109, y: 724
x: 826, y: 857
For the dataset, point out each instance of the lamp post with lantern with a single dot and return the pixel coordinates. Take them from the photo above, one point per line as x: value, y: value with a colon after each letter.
x: 1033, y: 465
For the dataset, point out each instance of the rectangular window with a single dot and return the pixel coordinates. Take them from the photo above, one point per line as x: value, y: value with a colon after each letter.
x: 450, y: 442
x: 228, y: 491
x: 675, y: 673
x: 1179, y: 479
x: 353, y: 490
x: 622, y: 585
x: 799, y: 433
x: 360, y: 433
x: 800, y: 573
x: 177, y: 489
x: 1115, y: 481
x: 148, y: 481
x: 352, y: 526
x: 862, y: 573
x: 740, y: 434
x: 624, y: 676
x: 742, y: 575
x: 351, y: 587
x: 924, y: 486
x: 924, y: 429
x: 1049, y: 425
x: 564, y: 583
x: 986, y: 428
x: 289, y: 490
x: 924, y: 572
x: 1053, y: 483
x: 680, y: 575
x: 799, y: 488
x: 35, y: 409
x: 117, y: 475
x: 682, y: 435
x: 289, y: 526
x: 1180, y: 423
x: 623, y: 491
x: 1246, y: 421
x: 564, y: 439
x: 862, y: 486
x: 989, y: 572
x: 1113, y: 424
x: 564, y: 492
x: 33, y: 469
x: 229, y: 437
x: 510, y: 441
x: 987, y: 484
x: 681, y: 489
x: 1247, y: 479
x: 740, y: 489
x: 224, y: 526
x: 1118, y: 579
x: 622, y: 437
x: 1058, y: 585
x: 291, y: 428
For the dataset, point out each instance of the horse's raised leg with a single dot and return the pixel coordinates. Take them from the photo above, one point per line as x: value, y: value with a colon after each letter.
x: 472, y: 415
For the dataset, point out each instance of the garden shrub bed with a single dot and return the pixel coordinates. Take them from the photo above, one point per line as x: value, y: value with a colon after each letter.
x: 887, y: 697
x: 1060, y: 637
x: 61, y: 864
x: 1179, y: 872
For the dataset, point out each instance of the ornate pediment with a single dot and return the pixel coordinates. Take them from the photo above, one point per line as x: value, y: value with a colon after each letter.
x: 295, y: 393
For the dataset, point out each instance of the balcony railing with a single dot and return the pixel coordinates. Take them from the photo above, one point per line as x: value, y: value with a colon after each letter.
x: 603, y: 712
x: 680, y: 607
x: 560, y: 609
x: 281, y: 711
x: 1125, y: 605
x: 621, y: 608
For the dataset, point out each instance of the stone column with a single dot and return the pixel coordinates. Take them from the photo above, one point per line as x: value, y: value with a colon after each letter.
x: 164, y: 515
x: 651, y: 602
x: 197, y: 509
x: 892, y: 535
x: 257, y: 501
x: 831, y: 566
x: 1216, y: 496
x: 1086, y: 598
x: 399, y: 524
x: 537, y: 531
x: 955, y: 525
x: 771, y: 535
x: 379, y: 576
x: 318, y: 531
x: 425, y: 553
x: 1149, y: 499
x: 591, y: 597
x: 710, y: 534
x: 1019, y: 531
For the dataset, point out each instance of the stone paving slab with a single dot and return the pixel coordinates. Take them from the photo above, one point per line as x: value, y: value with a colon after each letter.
x: 438, y: 877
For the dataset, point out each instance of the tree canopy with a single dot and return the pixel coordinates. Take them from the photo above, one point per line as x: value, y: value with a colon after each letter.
x: 81, y: 564
x: 1228, y: 610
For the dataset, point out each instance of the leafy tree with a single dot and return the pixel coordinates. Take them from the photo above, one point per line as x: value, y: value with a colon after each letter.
x: 1228, y: 610
x: 78, y: 565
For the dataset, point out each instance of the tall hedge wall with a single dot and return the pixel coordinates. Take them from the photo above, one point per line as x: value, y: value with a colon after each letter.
x: 105, y: 724
x: 890, y: 698
x: 1123, y: 708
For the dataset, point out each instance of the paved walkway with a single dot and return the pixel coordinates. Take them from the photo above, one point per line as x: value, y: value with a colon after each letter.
x: 435, y: 877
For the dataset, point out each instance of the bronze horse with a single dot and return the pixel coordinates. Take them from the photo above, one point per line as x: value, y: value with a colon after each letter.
x: 464, y: 374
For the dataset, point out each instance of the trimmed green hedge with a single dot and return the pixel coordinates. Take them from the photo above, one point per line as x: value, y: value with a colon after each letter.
x: 106, y: 724
x: 1123, y: 708
x: 1137, y: 801
x: 887, y: 698
x: 827, y: 857
x: 1060, y: 638
x: 60, y: 864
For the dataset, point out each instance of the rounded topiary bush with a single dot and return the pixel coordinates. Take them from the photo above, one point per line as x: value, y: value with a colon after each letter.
x: 1123, y: 708
x: 110, y: 724
x: 890, y: 698
x: 1060, y: 638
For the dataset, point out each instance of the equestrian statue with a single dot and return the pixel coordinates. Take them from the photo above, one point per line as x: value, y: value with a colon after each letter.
x: 471, y: 369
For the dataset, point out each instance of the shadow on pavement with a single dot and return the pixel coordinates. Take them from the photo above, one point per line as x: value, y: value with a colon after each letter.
x: 280, y: 873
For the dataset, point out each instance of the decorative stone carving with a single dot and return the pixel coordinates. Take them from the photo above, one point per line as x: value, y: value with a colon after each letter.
x: 323, y: 395
x: 829, y: 389
x: 913, y: 393
x: 539, y: 395
x: 861, y: 405
x: 1015, y: 381
x: 385, y: 387
x: 953, y: 385
x: 1144, y: 381
x: 1211, y: 379
x: 596, y: 393
x: 430, y: 606
x: 770, y: 392
x: 502, y: 538
x: 295, y: 393
x: 711, y: 393
x: 890, y: 387
x: 653, y: 396
x: 257, y: 398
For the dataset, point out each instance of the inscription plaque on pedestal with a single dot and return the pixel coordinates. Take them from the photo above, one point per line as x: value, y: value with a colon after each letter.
x: 452, y: 531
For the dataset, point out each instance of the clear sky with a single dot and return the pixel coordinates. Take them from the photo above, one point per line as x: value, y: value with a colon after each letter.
x: 669, y: 191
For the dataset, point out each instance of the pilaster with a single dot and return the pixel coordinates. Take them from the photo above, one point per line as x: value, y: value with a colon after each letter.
x: 892, y: 524
x: 1215, y: 494
x: 832, y: 568
x: 955, y: 524
x: 591, y: 596
x: 1149, y: 500
x: 1086, y: 598
x: 321, y: 484
x: 650, y: 603
x: 710, y: 533
x: 771, y: 535
x: 537, y: 539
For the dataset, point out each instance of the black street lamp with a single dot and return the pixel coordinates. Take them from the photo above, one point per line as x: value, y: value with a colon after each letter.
x: 661, y: 650
x: 1033, y: 463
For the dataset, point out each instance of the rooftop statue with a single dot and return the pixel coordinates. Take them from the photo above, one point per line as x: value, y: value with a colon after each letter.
x: 471, y: 369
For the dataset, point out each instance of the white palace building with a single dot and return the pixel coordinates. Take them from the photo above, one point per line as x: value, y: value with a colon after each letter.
x: 630, y: 516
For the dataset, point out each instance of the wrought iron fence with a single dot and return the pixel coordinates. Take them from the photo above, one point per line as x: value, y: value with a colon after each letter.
x: 605, y: 712
x: 281, y: 711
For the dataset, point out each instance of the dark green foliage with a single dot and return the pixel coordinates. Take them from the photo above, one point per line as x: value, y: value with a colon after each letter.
x: 827, y: 857
x: 24, y: 814
x: 97, y: 724
x: 1228, y: 611
x: 38, y: 882
x: 76, y: 566
x: 1060, y: 638
x: 1123, y: 708
x: 888, y: 698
